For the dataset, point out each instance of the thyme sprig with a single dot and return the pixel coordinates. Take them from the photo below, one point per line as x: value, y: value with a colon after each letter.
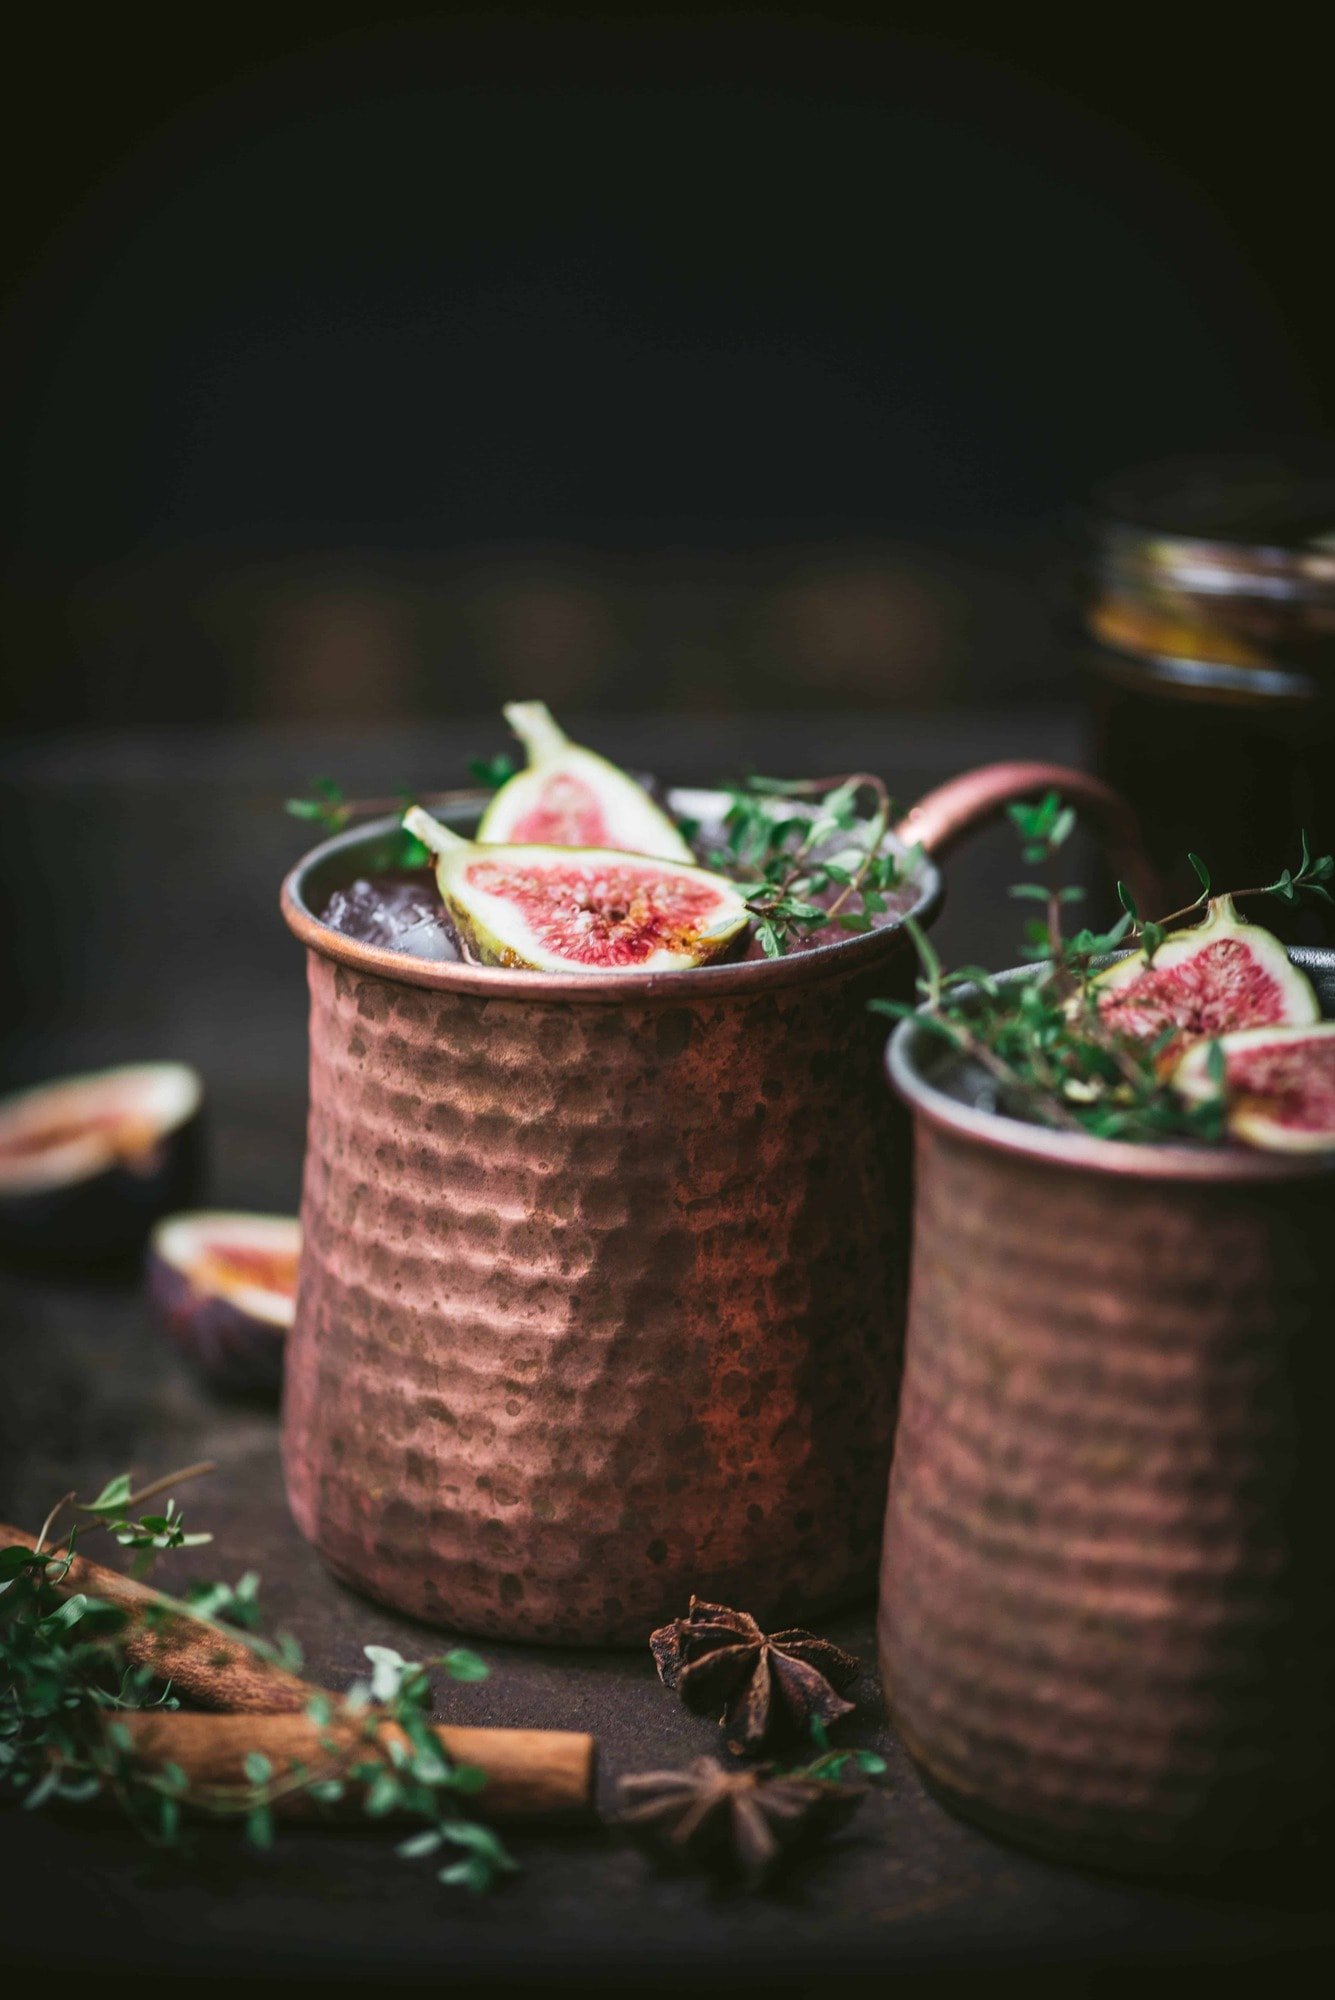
x: 834, y: 1763
x: 327, y: 806
x: 1290, y: 886
x: 66, y: 1677
x: 787, y: 860
x: 1043, y: 1049
x: 331, y: 810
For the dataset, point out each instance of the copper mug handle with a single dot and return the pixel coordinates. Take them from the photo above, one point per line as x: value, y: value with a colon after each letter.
x: 941, y: 820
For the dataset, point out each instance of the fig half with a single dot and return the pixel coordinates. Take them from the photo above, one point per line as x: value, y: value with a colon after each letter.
x: 570, y: 797
x: 1221, y: 975
x: 1279, y: 1083
x: 88, y: 1163
x: 579, y: 909
x: 225, y: 1287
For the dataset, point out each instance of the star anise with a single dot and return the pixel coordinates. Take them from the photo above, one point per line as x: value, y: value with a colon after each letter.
x: 732, y: 1823
x: 762, y: 1687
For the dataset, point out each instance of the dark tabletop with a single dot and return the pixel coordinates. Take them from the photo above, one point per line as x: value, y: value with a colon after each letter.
x: 142, y: 876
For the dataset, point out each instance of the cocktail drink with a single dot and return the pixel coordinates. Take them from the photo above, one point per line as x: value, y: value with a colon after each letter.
x: 1106, y: 1622
x: 602, y: 1265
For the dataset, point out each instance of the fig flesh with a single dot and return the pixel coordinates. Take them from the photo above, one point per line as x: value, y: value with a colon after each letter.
x: 1221, y: 975
x: 89, y: 1163
x: 225, y: 1286
x: 580, y: 909
x: 570, y: 797
x: 1279, y: 1083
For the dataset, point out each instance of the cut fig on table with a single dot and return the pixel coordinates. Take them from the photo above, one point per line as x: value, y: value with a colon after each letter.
x: 88, y: 1163
x: 1279, y: 1084
x: 1222, y: 974
x: 571, y: 797
x: 580, y: 909
x: 224, y: 1285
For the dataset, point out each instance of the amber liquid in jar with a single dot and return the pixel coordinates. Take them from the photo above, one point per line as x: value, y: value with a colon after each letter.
x: 1210, y: 618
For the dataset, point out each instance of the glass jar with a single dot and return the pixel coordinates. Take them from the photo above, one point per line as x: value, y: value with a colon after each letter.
x: 1210, y: 614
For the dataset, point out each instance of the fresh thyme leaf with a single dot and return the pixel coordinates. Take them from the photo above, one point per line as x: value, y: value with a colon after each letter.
x: 413, y: 853
x: 491, y: 772
x: 327, y: 807
x: 463, y: 1665
x: 804, y: 870
x: 112, y: 1498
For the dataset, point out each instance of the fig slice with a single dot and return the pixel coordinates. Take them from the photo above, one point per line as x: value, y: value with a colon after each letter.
x: 579, y: 909
x: 88, y: 1163
x: 571, y: 797
x: 1221, y: 975
x: 1280, y: 1085
x: 225, y: 1286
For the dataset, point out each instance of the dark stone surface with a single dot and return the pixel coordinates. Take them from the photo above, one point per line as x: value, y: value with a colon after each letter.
x: 150, y: 871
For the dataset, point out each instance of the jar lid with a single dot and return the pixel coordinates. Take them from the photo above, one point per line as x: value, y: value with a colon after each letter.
x: 1256, y: 524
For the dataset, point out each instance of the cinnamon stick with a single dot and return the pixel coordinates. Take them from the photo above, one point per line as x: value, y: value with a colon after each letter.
x: 532, y: 1774
x: 199, y: 1658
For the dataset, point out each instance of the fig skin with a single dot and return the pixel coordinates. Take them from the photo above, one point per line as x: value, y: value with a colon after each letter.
x: 1247, y: 1116
x: 481, y: 919
x: 88, y: 1203
x: 529, y: 809
x: 234, y: 1338
x: 1286, y: 987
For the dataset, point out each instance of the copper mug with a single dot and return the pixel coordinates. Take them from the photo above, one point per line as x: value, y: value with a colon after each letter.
x: 1107, y: 1621
x: 600, y: 1298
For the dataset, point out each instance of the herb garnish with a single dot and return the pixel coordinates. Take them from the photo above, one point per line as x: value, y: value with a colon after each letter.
x: 327, y: 808
x: 833, y: 1764
x: 786, y: 860
x: 1046, y: 1051
x: 1288, y: 887
x: 66, y: 1675
x: 491, y: 772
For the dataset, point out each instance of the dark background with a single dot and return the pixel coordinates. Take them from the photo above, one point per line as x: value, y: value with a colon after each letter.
x: 358, y: 368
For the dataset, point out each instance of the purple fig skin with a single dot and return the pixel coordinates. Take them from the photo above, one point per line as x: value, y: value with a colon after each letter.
x: 232, y: 1349
x: 232, y: 1343
x: 104, y: 1218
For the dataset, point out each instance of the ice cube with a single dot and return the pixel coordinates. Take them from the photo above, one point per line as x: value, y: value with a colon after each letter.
x: 394, y: 915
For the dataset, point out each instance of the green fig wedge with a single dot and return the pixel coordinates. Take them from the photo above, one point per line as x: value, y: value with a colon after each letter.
x: 570, y: 797
x: 579, y: 909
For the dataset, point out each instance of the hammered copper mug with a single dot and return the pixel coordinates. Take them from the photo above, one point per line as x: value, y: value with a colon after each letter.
x: 1107, y: 1620
x: 601, y: 1284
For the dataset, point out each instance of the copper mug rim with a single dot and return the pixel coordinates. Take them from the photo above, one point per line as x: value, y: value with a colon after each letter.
x: 935, y: 825
x: 1127, y: 1159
